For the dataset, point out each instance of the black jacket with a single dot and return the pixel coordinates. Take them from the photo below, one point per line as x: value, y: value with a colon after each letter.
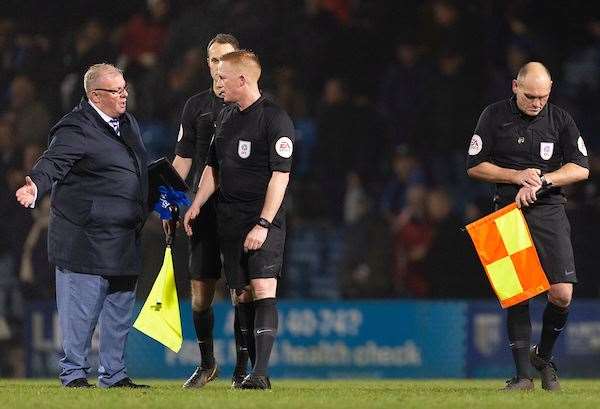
x: 99, y: 183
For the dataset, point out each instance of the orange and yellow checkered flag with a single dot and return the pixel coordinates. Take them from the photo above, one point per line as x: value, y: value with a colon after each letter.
x: 507, y: 253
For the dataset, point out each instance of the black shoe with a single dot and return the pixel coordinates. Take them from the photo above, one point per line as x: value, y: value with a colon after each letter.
x: 128, y: 383
x: 202, y: 376
x: 237, y: 379
x: 253, y: 381
x: 547, y: 368
x: 518, y: 384
x: 79, y: 383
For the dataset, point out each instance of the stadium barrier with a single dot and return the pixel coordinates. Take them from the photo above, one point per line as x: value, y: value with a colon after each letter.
x: 383, y: 339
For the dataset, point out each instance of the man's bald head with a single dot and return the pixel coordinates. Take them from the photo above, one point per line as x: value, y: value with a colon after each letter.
x: 532, y: 88
x: 245, y: 62
x: 534, y: 70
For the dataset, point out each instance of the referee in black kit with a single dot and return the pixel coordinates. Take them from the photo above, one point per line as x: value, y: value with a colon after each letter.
x: 524, y: 144
x: 249, y: 161
x: 195, y: 134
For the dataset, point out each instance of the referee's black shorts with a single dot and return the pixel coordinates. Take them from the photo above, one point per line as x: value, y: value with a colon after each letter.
x: 205, y: 257
x: 236, y: 221
x: 551, y: 233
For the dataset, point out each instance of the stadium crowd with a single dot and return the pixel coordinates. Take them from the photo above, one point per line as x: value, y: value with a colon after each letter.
x: 384, y: 96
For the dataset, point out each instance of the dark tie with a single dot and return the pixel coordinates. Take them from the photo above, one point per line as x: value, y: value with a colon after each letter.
x: 115, y: 124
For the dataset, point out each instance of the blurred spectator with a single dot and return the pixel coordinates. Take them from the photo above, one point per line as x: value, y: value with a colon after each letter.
x: 451, y: 267
x: 31, y: 153
x: 365, y: 270
x: 29, y: 116
x: 367, y: 142
x: 448, y: 26
x: 407, y: 172
x: 366, y: 261
x: 6, y: 54
x: 581, y: 68
x: 336, y: 144
x: 448, y: 120
x: 35, y: 273
x: 502, y: 75
x: 356, y: 201
x: 12, y: 233
x: 10, y: 307
x: 179, y: 81
x: 10, y: 156
x: 582, y: 82
x: 22, y: 52
x: 401, y: 92
x: 86, y: 47
x: 338, y: 8
x: 288, y: 94
x: 317, y: 39
x: 143, y: 38
x: 411, y: 240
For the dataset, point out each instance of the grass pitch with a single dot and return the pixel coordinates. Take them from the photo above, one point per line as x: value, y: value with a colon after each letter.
x: 305, y: 394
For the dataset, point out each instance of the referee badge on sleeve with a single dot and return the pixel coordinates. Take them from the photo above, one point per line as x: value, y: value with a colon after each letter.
x: 581, y: 146
x: 284, y: 147
x: 244, y: 149
x: 476, y: 145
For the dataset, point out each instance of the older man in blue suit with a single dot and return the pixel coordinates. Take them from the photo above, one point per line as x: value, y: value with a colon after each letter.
x: 95, y: 167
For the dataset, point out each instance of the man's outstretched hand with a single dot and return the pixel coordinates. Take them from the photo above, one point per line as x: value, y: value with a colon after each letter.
x: 27, y: 193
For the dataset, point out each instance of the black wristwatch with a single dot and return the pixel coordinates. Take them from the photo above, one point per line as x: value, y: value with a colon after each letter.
x: 545, y: 183
x: 262, y: 222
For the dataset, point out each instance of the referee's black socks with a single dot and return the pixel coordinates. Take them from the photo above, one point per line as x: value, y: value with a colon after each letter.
x: 265, y: 330
x: 241, y: 346
x: 204, y: 322
x: 519, y: 335
x: 555, y: 319
x: 245, y: 313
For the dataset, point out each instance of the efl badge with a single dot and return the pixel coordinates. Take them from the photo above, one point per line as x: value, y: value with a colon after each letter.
x: 581, y: 146
x: 546, y: 149
x: 284, y: 147
x: 244, y: 148
x: 476, y: 145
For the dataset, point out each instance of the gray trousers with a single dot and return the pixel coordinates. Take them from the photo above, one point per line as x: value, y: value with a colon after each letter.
x: 84, y: 301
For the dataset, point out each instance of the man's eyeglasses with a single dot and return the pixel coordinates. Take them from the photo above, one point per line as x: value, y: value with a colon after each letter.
x: 115, y: 92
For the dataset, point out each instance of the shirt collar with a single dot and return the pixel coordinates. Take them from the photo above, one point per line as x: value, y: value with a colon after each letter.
x: 105, y: 117
x: 515, y: 109
x: 252, y: 106
x: 513, y: 105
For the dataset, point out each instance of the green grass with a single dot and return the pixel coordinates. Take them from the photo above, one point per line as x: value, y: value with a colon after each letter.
x: 306, y: 394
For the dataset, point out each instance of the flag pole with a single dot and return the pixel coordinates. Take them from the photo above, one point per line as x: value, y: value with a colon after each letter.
x: 170, y: 240
x: 174, y: 209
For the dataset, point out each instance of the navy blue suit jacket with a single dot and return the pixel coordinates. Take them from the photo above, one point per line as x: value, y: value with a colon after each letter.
x: 99, y: 184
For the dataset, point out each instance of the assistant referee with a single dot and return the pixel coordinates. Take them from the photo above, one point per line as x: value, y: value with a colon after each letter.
x: 195, y: 134
x: 524, y: 144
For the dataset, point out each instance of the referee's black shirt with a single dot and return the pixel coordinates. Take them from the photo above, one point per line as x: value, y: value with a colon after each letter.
x: 197, y: 129
x: 510, y: 139
x: 248, y: 146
